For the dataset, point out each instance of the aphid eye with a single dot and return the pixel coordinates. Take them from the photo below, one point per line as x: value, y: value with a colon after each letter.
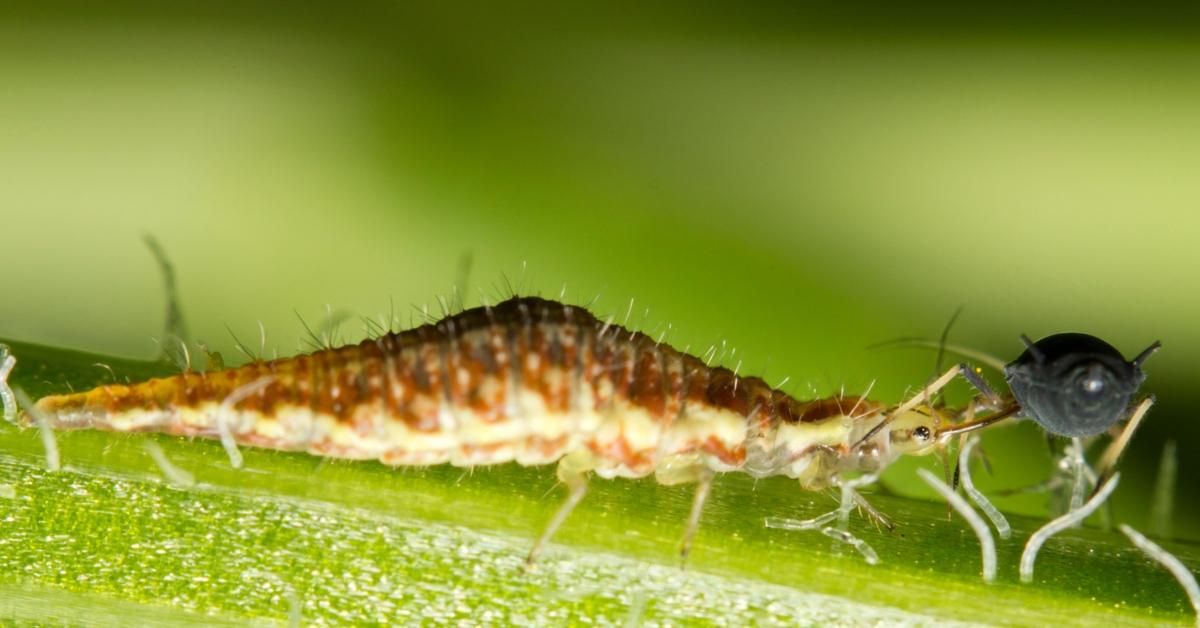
x: 922, y: 432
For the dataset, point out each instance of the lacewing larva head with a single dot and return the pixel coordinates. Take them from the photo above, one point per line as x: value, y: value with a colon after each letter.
x: 915, y: 432
x: 1074, y: 384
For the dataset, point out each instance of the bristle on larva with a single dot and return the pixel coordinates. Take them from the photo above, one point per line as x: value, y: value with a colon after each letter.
x: 1029, y: 555
x: 1184, y: 575
x: 987, y: 546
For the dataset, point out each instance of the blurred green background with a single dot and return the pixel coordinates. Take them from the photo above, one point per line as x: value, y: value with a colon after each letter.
x: 798, y: 181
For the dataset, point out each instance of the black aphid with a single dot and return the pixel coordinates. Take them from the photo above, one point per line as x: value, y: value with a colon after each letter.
x: 1074, y: 384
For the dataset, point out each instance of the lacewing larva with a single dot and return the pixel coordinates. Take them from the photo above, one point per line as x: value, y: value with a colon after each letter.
x: 528, y: 380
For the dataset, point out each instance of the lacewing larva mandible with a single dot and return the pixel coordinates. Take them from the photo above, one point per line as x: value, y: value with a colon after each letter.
x: 528, y: 380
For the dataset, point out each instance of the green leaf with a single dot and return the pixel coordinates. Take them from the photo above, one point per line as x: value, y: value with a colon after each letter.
x: 295, y: 537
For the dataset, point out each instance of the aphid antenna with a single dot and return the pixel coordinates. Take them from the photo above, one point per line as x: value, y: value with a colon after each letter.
x: 174, y: 323
x: 941, y: 354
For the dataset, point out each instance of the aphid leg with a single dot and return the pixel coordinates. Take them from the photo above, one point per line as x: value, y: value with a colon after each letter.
x: 7, y: 362
x: 225, y: 415
x: 693, y: 523
x: 174, y: 474
x: 1108, y: 460
x: 572, y: 472
x: 49, y: 443
x: 1078, y: 475
x: 987, y: 545
x: 964, y: 461
x: 1162, y: 507
x: 1029, y: 555
x: 1181, y: 572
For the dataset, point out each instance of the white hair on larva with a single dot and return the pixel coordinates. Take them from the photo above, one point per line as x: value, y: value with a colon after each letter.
x: 1062, y: 523
x: 48, y: 442
x: 174, y: 474
x: 1184, y: 575
x: 224, y: 411
x: 7, y: 362
x: 964, y: 457
x: 987, y: 546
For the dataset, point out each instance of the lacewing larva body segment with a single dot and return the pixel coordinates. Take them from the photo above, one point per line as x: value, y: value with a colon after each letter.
x: 529, y: 380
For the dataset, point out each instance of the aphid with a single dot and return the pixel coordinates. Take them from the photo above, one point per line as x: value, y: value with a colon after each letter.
x: 532, y: 381
x: 1073, y: 385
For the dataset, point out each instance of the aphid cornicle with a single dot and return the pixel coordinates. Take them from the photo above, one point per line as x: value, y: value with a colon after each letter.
x: 528, y: 380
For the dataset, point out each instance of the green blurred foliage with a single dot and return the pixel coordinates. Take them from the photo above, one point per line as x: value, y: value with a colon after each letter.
x: 797, y: 181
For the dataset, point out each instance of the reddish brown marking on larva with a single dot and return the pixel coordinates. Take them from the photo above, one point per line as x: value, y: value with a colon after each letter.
x: 529, y: 379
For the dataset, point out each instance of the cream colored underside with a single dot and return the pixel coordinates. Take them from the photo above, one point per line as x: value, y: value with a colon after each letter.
x: 619, y: 441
